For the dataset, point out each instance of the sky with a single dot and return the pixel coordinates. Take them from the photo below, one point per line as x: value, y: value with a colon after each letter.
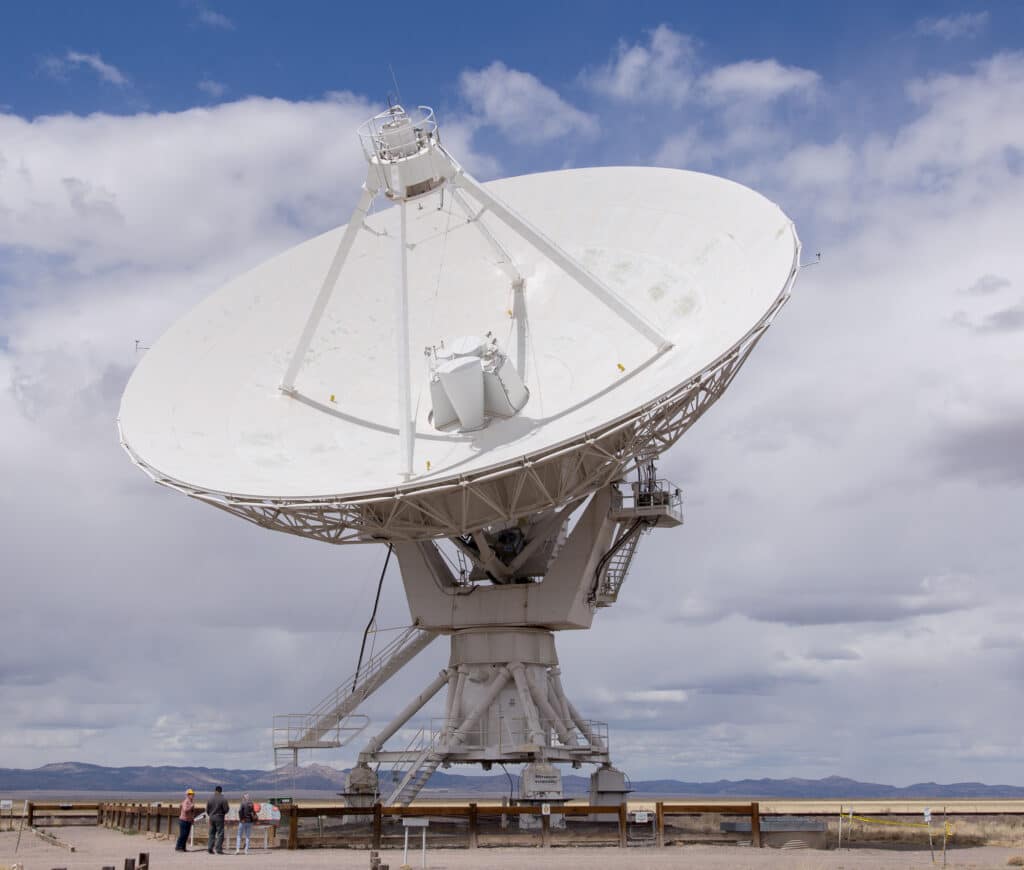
x: 844, y: 597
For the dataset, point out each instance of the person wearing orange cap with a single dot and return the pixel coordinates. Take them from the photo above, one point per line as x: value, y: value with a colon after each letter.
x: 185, y: 819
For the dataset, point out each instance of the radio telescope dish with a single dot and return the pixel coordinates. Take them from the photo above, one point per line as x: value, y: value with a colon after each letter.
x: 476, y: 364
x: 707, y: 260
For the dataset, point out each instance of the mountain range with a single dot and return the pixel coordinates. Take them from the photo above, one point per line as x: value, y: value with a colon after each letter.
x: 74, y: 777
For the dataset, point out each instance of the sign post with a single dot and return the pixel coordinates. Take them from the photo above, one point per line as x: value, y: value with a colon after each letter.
x: 422, y: 825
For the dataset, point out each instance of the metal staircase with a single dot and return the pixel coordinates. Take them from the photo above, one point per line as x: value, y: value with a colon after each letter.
x: 616, y: 566
x: 416, y: 777
x: 637, y: 507
x: 333, y: 722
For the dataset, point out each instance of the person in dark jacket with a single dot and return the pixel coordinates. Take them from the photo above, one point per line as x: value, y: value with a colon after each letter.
x: 185, y: 817
x: 246, y: 816
x: 216, y: 809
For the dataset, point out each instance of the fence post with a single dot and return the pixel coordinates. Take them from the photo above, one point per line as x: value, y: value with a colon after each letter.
x: 143, y: 861
x: 129, y: 864
x: 659, y: 824
x: 30, y: 813
x: 623, y: 823
x: 473, y: 831
x: 377, y: 825
x: 545, y: 831
x: 755, y: 825
x: 293, y: 827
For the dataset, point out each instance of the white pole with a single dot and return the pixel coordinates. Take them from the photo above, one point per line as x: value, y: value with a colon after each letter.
x: 560, y: 258
x: 327, y: 288
x: 405, y: 850
x: 410, y: 710
x: 505, y: 262
x: 423, y: 831
x: 404, y: 390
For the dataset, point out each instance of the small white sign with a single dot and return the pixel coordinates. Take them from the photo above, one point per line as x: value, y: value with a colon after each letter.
x: 545, y: 809
x: 6, y: 805
x: 928, y: 814
x: 416, y: 822
x: 641, y: 818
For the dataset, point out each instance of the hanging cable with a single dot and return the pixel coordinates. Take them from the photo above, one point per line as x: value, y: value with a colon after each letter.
x: 373, y: 617
x: 511, y: 787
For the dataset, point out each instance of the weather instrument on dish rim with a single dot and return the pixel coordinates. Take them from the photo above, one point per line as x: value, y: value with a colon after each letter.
x: 574, y: 324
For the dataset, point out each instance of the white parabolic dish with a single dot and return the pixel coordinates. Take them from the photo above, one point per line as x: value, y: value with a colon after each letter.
x: 706, y: 260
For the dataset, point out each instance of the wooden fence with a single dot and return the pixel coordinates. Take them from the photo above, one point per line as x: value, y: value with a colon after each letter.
x: 157, y: 818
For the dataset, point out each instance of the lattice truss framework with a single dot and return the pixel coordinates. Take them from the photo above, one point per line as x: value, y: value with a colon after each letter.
x: 503, y: 494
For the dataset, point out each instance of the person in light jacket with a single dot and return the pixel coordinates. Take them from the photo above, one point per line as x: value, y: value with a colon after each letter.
x: 246, y: 816
x: 216, y: 809
x: 185, y: 819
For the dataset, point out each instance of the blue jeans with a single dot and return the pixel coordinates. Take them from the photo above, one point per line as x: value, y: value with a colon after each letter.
x: 216, y: 835
x: 244, y: 831
x: 183, y: 831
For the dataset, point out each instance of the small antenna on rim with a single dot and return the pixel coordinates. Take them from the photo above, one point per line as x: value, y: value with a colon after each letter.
x: 394, y: 81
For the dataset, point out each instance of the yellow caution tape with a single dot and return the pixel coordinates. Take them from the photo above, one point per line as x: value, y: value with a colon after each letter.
x: 890, y: 822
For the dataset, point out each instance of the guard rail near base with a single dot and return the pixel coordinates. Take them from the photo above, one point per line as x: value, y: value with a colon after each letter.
x: 473, y: 812
x: 159, y: 818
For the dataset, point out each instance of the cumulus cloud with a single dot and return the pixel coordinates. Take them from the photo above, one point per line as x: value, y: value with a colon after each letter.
x: 987, y: 284
x: 214, y: 19
x: 852, y: 502
x: 660, y: 70
x: 59, y: 67
x: 966, y: 24
x: 112, y: 227
x: 758, y: 80
x: 521, y: 106
x: 213, y: 89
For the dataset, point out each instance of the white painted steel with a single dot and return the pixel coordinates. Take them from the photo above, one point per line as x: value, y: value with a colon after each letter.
x: 567, y: 263
x: 708, y: 260
x: 327, y: 288
x: 405, y: 422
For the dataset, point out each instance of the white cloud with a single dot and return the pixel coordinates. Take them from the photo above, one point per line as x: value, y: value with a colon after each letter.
x: 966, y: 24
x: 659, y: 71
x: 869, y: 442
x: 112, y: 227
x: 58, y: 67
x: 816, y: 165
x: 656, y: 696
x: 214, y: 19
x: 521, y: 106
x: 757, y: 80
x: 213, y: 89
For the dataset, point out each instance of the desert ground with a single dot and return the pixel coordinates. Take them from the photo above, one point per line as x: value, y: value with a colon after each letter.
x: 99, y: 847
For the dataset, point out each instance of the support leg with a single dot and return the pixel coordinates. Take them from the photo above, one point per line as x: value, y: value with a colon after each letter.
x: 505, y: 262
x: 410, y: 710
x: 327, y: 288
x: 561, y: 259
x: 404, y: 389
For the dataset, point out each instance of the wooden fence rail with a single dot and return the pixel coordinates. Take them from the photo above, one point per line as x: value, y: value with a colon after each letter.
x: 162, y: 818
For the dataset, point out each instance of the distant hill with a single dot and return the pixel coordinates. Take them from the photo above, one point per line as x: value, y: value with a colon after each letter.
x: 73, y: 777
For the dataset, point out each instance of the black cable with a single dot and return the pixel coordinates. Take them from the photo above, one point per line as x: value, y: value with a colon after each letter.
x: 614, y: 548
x: 510, y: 786
x: 373, y: 617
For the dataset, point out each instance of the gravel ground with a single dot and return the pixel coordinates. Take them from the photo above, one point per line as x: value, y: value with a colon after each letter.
x: 96, y: 847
